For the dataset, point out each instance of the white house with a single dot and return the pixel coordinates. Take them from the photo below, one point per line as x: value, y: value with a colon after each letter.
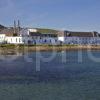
x: 8, y: 36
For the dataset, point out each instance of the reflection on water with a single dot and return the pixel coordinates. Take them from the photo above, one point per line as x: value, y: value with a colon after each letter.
x: 10, y: 56
x: 64, y: 65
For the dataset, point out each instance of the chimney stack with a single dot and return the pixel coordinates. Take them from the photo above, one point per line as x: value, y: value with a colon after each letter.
x: 18, y: 26
x: 14, y: 27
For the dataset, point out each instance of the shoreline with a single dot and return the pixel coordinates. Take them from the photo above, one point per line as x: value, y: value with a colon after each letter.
x: 33, y: 48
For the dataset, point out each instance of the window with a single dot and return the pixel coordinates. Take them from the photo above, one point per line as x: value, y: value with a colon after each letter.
x: 16, y: 39
x: 11, y: 39
x: 19, y: 40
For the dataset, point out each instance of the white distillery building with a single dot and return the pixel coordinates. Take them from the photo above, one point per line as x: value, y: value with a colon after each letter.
x: 82, y: 38
x: 32, y: 36
x: 39, y: 38
x: 27, y: 36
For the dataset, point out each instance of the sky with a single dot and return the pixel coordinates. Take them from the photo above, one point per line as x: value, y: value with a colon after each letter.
x: 73, y: 15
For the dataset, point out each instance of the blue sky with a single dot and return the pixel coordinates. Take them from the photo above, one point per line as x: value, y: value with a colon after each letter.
x: 76, y: 15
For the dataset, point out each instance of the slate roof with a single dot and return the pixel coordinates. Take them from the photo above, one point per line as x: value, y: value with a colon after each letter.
x: 81, y: 34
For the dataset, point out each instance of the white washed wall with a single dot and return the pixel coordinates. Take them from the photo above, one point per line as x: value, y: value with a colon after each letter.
x: 24, y: 32
x: 62, y: 39
x: 14, y: 40
x: 45, y: 40
x: 2, y: 38
x: 82, y: 40
x: 18, y: 40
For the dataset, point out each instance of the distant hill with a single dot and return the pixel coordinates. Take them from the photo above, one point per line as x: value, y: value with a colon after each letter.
x: 2, y: 27
x: 46, y: 30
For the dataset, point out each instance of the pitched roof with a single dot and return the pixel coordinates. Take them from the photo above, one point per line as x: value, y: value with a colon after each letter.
x: 81, y: 34
x: 1, y: 26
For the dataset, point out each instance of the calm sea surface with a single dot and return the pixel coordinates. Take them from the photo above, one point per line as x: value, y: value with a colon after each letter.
x: 65, y: 75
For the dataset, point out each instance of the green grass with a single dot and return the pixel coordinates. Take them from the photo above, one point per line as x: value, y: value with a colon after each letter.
x: 46, y: 30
